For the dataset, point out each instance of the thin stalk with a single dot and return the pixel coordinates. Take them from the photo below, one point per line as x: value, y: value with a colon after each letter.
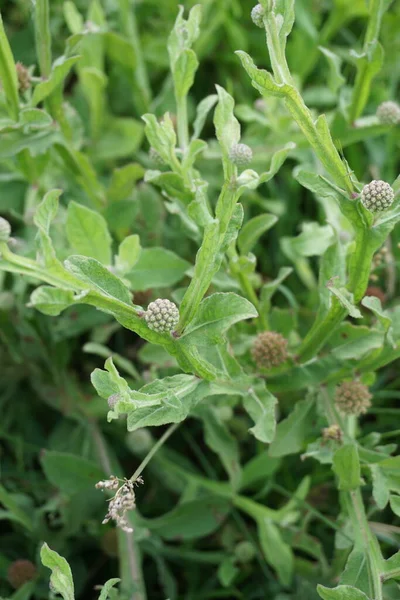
x: 154, y: 450
x: 321, y: 332
x: 182, y: 123
x: 128, y: 551
x: 43, y: 36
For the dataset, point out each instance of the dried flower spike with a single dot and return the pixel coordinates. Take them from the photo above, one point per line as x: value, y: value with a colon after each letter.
x: 389, y: 113
x: 20, y: 571
x: 240, y: 155
x: 352, y: 398
x: 23, y: 76
x: 5, y: 230
x: 377, y: 196
x: 162, y: 315
x: 269, y: 349
x: 123, y: 501
x: 257, y: 15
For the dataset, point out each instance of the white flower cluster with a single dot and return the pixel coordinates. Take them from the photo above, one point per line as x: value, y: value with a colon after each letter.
x: 123, y: 500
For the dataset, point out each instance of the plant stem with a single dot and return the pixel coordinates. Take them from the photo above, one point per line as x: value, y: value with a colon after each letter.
x: 43, y: 36
x: 320, y: 332
x: 154, y: 450
x: 182, y: 123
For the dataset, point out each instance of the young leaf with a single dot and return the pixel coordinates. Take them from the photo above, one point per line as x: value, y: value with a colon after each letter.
x: 61, y: 576
x: 214, y: 316
x: 59, y: 72
x: 97, y: 277
x: 202, y: 111
x: 346, y: 465
x: 87, y: 233
x: 47, y: 210
x: 128, y: 254
x: 227, y: 127
x: 184, y: 71
x: 292, y: 431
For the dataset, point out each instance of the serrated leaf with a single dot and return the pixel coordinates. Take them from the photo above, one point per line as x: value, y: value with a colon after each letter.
x: 61, y: 576
x: 346, y: 465
x: 87, y: 233
x: 214, y: 316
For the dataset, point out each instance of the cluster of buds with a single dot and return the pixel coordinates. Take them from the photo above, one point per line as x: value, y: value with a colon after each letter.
x: 123, y: 500
x: 240, y: 155
x: 333, y: 432
x: 388, y: 113
x: 20, y: 572
x: 352, y: 398
x: 162, y: 315
x: 377, y: 196
x: 269, y: 350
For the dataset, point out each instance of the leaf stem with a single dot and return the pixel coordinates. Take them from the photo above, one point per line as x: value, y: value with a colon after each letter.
x: 154, y: 450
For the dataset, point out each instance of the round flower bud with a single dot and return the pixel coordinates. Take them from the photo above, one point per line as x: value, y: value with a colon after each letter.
x: 389, y: 113
x: 257, y: 15
x: 240, y: 155
x: 112, y: 401
x: 333, y: 432
x: 352, y: 398
x: 162, y: 315
x: 269, y: 350
x: 20, y: 571
x: 244, y: 552
x: 5, y: 230
x: 156, y: 158
x: 377, y: 196
x: 23, y: 76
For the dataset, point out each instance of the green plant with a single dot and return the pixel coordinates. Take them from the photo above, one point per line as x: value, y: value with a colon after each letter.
x: 243, y: 341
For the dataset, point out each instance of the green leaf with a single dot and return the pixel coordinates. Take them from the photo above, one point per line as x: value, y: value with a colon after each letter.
x: 227, y: 571
x: 73, y: 17
x: 261, y: 79
x: 128, y: 254
x: 259, y: 403
x: 47, y: 210
x: 184, y: 33
x: 214, y: 316
x: 395, y: 504
x: 356, y: 572
x: 335, y: 78
x: 51, y: 301
x: 60, y: 70
x: 97, y: 277
x: 18, y: 513
x: 69, y: 473
x: 120, y: 138
x: 61, y: 576
x: 87, y: 233
x: 374, y: 304
x: 43, y: 35
x: 184, y: 71
x: 123, y: 181
x: 227, y: 127
x: 253, y: 230
x: 161, y: 136
x: 219, y: 439
x: 345, y: 298
x: 346, y: 465
x: 190, y: 520
x: 269, y: 289
x: 120, y: 50
x: 157, y: 267
x: 32, y: 119
x: 342, y: 592
x: 104, y: 594
x: 291, y: 433
x: 8, y: 74
x: 277, y: 553
x: 203, y: 108
x: 314, y: 240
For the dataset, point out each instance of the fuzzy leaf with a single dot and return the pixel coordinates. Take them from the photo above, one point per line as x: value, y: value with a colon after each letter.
x: 342, y: 592
x: 253, y: 230
x: 61, y: 576
x: 60, y: 70
x: 292, y: 431
x: 346, y: 465
x: 128, y: 254
x: 97, y: 277
x: 51, y: 301
x: 157, y: 267
x: 87, y: 233
x: 259, y: 403
x: 70, y: 473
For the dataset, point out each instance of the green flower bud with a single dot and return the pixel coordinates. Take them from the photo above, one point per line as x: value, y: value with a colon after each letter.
x: 20, y: 571
x: 156, y: 158
x: 257, y: 15
x: 389, y: 113
x: 352, y: 398
x: 162, y: 315
x: 244, y: 552
x: 269, y: 350
x: 240, y: 155
x: 5, y: 230
x: 377, y: 196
